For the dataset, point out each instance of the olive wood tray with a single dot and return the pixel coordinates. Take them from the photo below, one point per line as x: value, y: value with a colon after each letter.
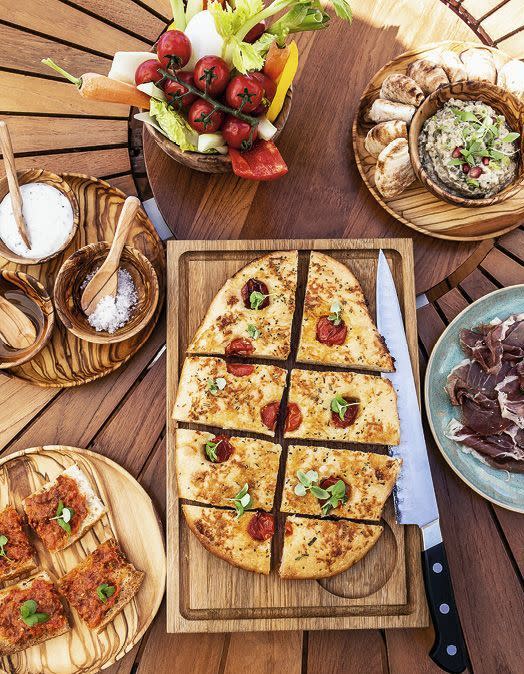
x: 206, y: 594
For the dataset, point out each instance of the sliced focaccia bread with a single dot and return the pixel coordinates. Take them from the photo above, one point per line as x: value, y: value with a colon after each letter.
x: 253, y: 311
x: 341, y: 482
x: 30, y: 612
x: 213, y: 469
x: 242, y: 541
x: 17, y: 555
x: 322, y: 548
x: 102, y: 585
x: 64, y: 509
x: 342, y: 406
x: 229, y: 395
x: 337, y: 328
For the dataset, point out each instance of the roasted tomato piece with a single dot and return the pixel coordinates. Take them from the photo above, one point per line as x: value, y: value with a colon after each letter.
x: 224, y: 448
x: 289, y: 528
x: 330, y: 334
x: 240, y: 347
x: 293, y: 417
x: 240, y: 369
x: 350, y: 414
x: 269, y: 414
x: 329, y: 482
x: 255, y: 286
x: 261, y: 527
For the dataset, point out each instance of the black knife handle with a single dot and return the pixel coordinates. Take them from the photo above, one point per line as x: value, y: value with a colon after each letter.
x: 449, y: 649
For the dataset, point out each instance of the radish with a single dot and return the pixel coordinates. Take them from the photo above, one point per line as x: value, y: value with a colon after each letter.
x: 204, y: 37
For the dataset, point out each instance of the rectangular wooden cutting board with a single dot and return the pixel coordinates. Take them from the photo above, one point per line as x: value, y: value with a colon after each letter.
x: 206, y: 594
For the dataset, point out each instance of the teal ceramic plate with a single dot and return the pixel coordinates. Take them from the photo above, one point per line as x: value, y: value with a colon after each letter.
x: 499, y: 486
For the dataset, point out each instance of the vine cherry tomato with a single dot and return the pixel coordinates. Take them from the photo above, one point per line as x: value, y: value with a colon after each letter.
x: 182, y: 95
x: 269, y: 85
x: 237, y: 133
x: 244, y: 93
x: 148, y: 72
x: 203, y: 119
x: 173, y: 43
x: 213, y: 71
x: 255, y: 32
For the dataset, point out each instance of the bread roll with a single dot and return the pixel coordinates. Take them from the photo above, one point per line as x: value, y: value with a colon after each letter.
x: 383, y: 110
x: 394, y: 172
x: 429, y: 76
x: 480, y: 65
x: 381, y: 135
x: 401, y: 88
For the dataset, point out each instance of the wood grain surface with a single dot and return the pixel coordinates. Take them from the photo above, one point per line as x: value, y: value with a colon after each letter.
x: 383, y: 590
x: 68, y: 360
x: 417, y: 207
x: 131, y: 520
x: 122, y: 415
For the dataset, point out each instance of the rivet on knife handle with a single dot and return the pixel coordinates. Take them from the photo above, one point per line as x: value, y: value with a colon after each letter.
x: 449, y: 649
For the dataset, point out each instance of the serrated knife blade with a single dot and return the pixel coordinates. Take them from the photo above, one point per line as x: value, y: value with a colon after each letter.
x: 414, y: 494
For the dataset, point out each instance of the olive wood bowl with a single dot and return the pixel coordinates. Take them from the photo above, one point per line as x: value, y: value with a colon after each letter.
x: 39, y: 309
x: 68, y: 292
x: 40, y: 176
x: 211, y: 163
x: 501, y: 100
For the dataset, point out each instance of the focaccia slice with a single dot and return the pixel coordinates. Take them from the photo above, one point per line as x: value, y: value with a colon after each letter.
x: 371, y: 415
x: 265, y: 331
x: 229, y: 538
x: 17, y: 555
x: 37, y: 592
x: 315, y: 548
x: 357, y: 342
x: 369, y: 479
x: 213, y: 469
x: 210, y: 393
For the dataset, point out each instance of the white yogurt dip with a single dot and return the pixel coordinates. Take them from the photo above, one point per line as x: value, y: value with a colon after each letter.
x: 49, y: 218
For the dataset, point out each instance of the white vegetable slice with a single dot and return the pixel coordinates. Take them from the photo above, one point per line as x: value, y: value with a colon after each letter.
x: 152, y: 90
x: 266, y: 130
x: 147, y: 119
x: 204, y: 37
x: 210, y: 141
x: 193, y: 7
x: 222, y: 150
x: 125, y: 64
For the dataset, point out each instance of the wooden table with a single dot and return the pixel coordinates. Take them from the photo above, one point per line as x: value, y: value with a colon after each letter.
x: 123, y: 415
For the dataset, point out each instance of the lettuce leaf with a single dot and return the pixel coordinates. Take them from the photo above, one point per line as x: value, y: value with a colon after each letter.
x: 229, y: 20
x: 245, y: 56
x: 174, y: 126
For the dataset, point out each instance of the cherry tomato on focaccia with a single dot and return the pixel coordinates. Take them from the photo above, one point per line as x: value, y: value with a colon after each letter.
x: 269, y: 414
x: 240, y: 347
x: 288, y: 528
x: 293, y: 417
x: 148, y: 72
x: 329, y: 333
x: 244, y: 93
x: 255, y: 286
x: 173, y: 44
x: 261, y: 526
x: 329, y: 482
x: 211, y: 75
x: 350, y: 415
x: 224, y: 448
x: 186, y: 98
x: 262, y: 162
x: 240, y: 369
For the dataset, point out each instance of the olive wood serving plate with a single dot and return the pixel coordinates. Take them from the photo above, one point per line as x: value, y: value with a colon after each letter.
x: 67, y: 360
x: 417, y: 207
x: 206, y: 594
x: 131, y: 520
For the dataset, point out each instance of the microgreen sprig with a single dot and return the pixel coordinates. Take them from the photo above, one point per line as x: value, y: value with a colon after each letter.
x: 211, y: 450
x: 104, y: 591
x: 29, y: 613
x: 340, y: 405
x: 332, y: 496
x: 336, y: 495
x: 336, y: 313
x: 216, y: 385
x: 242, y: 501
x: 63, y: 517
x: 3, y: 542
x: 253, y: 331
x: 256, y: 299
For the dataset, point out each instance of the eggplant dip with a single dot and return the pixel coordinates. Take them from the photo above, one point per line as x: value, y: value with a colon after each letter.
x: 469, y: 149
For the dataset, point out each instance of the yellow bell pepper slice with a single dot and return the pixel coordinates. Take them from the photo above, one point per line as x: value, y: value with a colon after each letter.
x: 284, y: 82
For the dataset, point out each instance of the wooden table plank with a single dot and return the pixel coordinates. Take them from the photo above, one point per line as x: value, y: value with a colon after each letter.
x: 264, y: 653
x: 513, y: 243
x: 476, y: 285
x: 503, y: 268
x: 452, y: 304
x: 344, y: 651
x: 407, y: 651
x: 161, y: 7
x: 64, y: 22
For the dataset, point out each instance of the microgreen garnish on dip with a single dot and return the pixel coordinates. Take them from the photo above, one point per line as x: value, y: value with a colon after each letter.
x: 336, y: 313
x: 3, y: 543
x: 216, y: 385
x: 241, y: 501
x: 253, y: 331
x: 211, y: 450
x: 256, y: 299
x: 104, y: 591
x: 29, y: 613
x: 63, y: 517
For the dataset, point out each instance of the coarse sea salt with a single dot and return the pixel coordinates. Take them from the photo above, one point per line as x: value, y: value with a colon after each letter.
x: 48, y: 216
x: 112, y: 313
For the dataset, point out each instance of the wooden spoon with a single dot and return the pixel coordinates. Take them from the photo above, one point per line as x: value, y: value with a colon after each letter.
x: 16, y: 330
x: 105, y: 281
x: 14, y: 188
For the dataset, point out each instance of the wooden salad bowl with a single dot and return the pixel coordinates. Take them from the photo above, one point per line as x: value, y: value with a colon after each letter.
x: 48, y: 178
x: 500, y: 100
x: 40, y: 310
x: 211, y: 163
x: 68, y: 292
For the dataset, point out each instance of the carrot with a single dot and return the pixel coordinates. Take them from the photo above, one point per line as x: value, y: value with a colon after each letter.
x: 101, y: 88
x: 275, y: 61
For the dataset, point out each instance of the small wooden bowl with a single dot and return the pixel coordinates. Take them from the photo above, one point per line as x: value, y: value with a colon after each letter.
x: 40, y: 176
x: 39, y: 308
x: 68, y: 292
x: 211, y: 163
x: 500, y: 100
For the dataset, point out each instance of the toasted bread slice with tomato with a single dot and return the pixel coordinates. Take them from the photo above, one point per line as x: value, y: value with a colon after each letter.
x: 17, y: 555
